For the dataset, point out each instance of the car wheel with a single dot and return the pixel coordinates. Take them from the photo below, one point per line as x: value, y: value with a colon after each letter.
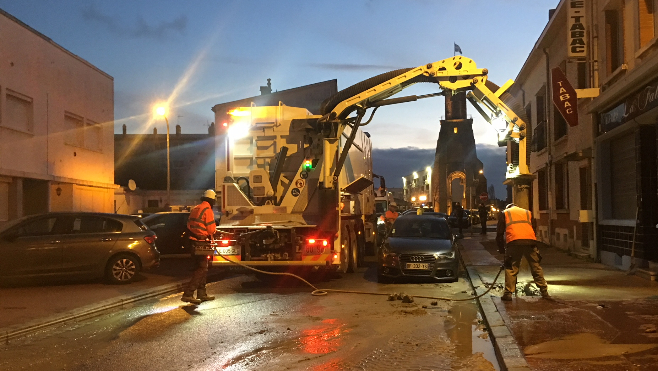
x: 122, y: 269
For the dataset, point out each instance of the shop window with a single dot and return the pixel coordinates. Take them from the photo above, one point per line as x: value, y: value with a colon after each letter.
x: 561, y: 186
x: 614, y: 45
x: 622, y: 177
x: 646, y: 21
x: 19, y: 112
x: 542, y: 189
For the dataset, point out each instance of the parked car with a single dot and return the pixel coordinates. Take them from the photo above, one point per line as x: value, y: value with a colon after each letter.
x: 113, y: 246
x: 171, y: 229
x: 419, y: 246
x: 466, y: 219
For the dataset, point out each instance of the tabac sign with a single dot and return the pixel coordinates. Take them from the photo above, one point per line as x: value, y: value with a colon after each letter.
x: 576, y: 40
x: 564, y: 97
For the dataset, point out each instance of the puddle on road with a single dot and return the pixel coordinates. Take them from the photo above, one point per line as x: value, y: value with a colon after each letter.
x: 154, y: 325
x: 324, y: 339
x: 466, y: 331
x: 582, y: 346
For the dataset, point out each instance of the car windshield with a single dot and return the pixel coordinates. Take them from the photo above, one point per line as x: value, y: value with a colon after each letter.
x: 421, y: 227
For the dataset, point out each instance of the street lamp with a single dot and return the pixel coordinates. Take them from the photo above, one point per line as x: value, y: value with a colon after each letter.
x: 162, y: 111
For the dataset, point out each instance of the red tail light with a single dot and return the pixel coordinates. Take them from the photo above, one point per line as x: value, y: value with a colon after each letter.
x: 225, y: 242
x: 313, y: 241
x: 150, y: 239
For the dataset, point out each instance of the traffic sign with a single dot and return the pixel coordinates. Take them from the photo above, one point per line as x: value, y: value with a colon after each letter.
x: 484, y: 196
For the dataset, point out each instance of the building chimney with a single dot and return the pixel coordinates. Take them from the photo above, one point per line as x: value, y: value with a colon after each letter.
x: 178, y: 130
x: 266, y: 89
x: 211, y: 129
x: 550, y: 14
x: 123, y: 129
x: 155, y: 131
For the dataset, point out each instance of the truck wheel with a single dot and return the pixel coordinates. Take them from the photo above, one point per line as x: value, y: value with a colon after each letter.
x: 344, y: 252
x: 353, y: 253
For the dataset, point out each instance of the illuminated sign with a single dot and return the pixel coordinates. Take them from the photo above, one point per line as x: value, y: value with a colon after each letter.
x: 564, y: 97
x: 576, y: 41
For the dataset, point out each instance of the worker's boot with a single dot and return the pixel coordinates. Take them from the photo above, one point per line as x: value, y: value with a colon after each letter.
x: 506, y: 296
x: 544, y: 294
x: 188, y: 297
x: 203, y: 296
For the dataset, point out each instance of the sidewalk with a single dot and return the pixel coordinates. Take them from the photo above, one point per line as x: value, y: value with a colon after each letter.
x: 38, y: 304
x: 600, y: 319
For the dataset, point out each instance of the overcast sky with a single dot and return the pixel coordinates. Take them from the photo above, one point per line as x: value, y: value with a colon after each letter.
x: 198, y: 53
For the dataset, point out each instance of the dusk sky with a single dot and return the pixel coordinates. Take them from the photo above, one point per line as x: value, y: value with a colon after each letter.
x: 196, y: 54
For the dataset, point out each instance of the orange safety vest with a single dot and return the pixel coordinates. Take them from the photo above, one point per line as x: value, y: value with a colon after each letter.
x: 518, y: 225
x: 201, y: 222
x: 390, y: 215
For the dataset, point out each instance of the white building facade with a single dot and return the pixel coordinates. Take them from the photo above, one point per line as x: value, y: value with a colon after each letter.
x: 56, y: 127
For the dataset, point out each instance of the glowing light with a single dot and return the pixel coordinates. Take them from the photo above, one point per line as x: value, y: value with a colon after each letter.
x: 325, y: 243
x: 481, y: 171
x: 225, y: 124
x: 422, y: 198
x: 415, y: 175
x: 239, y: 112
x: 239, y: 130
x: 161, y: 110
x: 225, y: 242
x: 311, y: 241
x: 428, y: 169
x: 413, y: 199
x: 455, y: 129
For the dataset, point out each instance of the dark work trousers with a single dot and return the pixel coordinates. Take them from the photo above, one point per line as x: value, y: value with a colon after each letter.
x: 483, y: 222
x: 513, y: 255
x: 198, y: 280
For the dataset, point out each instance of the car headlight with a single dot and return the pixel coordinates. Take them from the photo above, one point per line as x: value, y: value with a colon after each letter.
x: 445, y: 255
x: 379, y: 221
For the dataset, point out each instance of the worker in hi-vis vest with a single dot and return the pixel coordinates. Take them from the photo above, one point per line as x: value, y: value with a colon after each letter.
x: 515, y: 236
x: 202, y: 227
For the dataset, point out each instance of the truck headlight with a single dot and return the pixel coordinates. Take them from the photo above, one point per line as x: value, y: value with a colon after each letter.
x: 379, y: 221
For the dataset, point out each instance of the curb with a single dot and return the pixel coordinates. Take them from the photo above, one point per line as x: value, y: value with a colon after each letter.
x: 14, y: 332
x: 509, y: 355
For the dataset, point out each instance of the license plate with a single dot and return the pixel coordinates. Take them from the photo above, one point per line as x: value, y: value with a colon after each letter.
x: 313, y: 250
x: 425, y: 266
x: 228, y: 250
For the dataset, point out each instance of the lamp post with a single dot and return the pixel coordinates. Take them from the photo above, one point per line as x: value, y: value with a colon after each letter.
x: 162, y: 111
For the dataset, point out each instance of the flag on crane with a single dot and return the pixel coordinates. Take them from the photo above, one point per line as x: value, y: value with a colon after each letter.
x: 457, y: 49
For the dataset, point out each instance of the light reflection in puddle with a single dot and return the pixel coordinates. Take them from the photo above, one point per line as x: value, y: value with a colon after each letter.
x: 323, y: 339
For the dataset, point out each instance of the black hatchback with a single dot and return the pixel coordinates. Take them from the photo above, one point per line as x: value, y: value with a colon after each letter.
x: 171, y: 228
x: 79, y: 244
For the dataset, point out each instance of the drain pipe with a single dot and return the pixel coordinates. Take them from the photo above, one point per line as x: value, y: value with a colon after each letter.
x: 549, y: 144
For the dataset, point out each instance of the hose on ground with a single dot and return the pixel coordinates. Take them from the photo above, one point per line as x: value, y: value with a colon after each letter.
x: 322, y: 292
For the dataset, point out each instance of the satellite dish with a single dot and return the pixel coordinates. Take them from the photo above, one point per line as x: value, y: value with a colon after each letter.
x: 131, y: 185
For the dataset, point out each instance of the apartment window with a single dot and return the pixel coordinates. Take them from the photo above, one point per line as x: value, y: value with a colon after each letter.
x: 645, y: 20
x: 93, y: 136
x: 4, y: 201
x: 622, y: 177
x: 540, y: 101
x: 581, y: 67
x: 20, y: 112
x: 542, y: 189
x: 561, y: 186
x: 613, y: 40
x: 74, y: 130
x: 559, y: 124
x: 585, y: 175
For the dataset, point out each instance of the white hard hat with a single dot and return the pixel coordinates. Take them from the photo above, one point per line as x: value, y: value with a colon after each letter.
x: 510, y: 205
x: 210, y: 194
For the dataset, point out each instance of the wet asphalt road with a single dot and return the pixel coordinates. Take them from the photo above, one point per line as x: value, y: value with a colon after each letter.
x: 256, y: 325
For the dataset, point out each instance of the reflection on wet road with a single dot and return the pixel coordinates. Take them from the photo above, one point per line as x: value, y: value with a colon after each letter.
x: 252, y: 325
